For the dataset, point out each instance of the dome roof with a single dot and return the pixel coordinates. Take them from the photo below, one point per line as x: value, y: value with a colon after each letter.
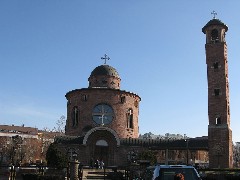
x: 105, y: 70
x: 214, y: 22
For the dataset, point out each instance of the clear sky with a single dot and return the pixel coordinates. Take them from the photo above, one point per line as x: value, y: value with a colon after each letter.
x: 49, y: 47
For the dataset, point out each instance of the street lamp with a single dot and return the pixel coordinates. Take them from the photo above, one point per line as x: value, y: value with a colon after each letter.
x: 74, y: 164
x: 74, y: 155
x: 166, y: 151
x: 187, y: 147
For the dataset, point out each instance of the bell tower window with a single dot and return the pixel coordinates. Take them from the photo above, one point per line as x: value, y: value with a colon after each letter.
x: 218, y: 120
x: 216, y: 65
x: 214, y: 36
x: 217, y: 92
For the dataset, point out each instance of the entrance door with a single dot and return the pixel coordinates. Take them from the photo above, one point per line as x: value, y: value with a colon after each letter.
x: 101, y: 151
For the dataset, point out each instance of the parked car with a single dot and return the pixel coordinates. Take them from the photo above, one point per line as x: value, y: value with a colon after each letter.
x: 167, y: 172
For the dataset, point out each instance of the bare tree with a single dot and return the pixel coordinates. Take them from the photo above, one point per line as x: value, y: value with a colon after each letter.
x: 61, y: 122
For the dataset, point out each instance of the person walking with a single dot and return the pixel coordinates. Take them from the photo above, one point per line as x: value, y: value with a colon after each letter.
x: 101, y: 164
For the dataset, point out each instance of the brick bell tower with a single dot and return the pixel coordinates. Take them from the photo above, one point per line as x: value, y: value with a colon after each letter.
x: 219, y: 132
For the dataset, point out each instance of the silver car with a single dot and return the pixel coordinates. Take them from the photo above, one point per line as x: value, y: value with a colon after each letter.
x: 168, y: 172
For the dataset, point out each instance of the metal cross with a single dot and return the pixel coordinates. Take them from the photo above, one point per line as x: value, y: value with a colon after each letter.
x: 105, y: 58
x: 102, y: 117
x: 214, y: 14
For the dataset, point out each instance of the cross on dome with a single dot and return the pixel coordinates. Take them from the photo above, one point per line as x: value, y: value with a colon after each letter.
x: 105, y: 58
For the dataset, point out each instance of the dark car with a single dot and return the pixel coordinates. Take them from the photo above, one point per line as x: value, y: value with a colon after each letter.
x: 167, y: 172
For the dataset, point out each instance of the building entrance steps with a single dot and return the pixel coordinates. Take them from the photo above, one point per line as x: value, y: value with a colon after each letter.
x: 98, y: 173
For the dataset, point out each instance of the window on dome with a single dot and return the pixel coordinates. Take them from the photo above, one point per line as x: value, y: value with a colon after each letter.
x: 123, y: 99
x: 75, y: 116
x: 130, y: 118
x: 84, y: 97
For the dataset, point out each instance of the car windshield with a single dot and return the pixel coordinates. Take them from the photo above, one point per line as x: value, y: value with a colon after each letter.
x: 169, y: 173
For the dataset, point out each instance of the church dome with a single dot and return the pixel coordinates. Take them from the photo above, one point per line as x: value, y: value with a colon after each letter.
x: 104, y: 76
x: 105, y: 70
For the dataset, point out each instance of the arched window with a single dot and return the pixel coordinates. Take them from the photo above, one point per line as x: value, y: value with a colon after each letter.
x: 214, y: 35
x: 101, y: 143
x: 130, y: 118
x: 218, y: 120
x: 215, y: 65
x: 75, y: 114
x: 217, y: 92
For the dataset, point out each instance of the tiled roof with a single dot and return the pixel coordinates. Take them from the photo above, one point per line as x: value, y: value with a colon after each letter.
x: 214, y: 22
x: 18, y: 129
x: 105, y: 70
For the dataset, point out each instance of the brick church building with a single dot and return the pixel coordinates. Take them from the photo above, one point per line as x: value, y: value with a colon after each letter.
x: 101, y: 116
x: 102, y: 123
x: 102, y: 120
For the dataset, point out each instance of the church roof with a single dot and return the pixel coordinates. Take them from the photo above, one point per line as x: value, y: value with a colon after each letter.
x: 214, y: 22
x: 105, y: 70
x: 69, y: 139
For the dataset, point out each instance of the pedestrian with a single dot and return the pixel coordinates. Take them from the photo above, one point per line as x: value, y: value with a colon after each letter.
x: 97, y: 163
x: 178, y: 176
x: 101, y: 164
x: 91, y: 163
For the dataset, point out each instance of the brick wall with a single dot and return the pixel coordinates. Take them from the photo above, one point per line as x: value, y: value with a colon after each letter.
x: 110, y: 97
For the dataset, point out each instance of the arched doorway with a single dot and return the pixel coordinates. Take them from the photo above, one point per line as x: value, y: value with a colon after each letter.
x: 101, y: 151
x: 102, y: 143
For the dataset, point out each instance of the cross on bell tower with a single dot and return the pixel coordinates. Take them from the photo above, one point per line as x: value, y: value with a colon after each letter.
x: 105, y: 58
x: 214, y: 14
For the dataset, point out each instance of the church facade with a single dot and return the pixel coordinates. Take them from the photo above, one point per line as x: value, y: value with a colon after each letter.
x: 102, y: 114
x: 102, y: 123
x: 102, y: 120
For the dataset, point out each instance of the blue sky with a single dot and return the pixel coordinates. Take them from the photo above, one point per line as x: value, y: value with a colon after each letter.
x: 48, y: 48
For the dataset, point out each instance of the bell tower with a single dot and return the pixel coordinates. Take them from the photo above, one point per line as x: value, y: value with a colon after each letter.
x: 219, y: 131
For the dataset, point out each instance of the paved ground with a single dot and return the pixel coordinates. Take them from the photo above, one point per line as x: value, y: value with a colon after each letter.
x: 87, y: 174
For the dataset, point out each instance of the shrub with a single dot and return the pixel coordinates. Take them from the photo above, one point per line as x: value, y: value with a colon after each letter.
x: 55, y: 158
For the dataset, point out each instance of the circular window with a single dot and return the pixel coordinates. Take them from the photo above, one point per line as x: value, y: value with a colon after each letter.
x: 102, y: 114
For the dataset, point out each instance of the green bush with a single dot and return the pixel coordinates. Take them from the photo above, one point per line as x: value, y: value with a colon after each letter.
x: 148, y: 155
x: 55, y: 158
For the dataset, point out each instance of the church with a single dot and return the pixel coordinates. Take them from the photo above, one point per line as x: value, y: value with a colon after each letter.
x: 102, y: 124
x: 102, y: 114
x: 102, y: 120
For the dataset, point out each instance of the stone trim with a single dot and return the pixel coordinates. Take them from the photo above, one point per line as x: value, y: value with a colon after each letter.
x: 101, y: 129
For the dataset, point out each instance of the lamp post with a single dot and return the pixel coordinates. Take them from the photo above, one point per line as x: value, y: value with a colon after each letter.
x: 74, y: 164
x: 187, y: 147
x: 166, y: 152
x: 74, y: 155
x: 132, y: 166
